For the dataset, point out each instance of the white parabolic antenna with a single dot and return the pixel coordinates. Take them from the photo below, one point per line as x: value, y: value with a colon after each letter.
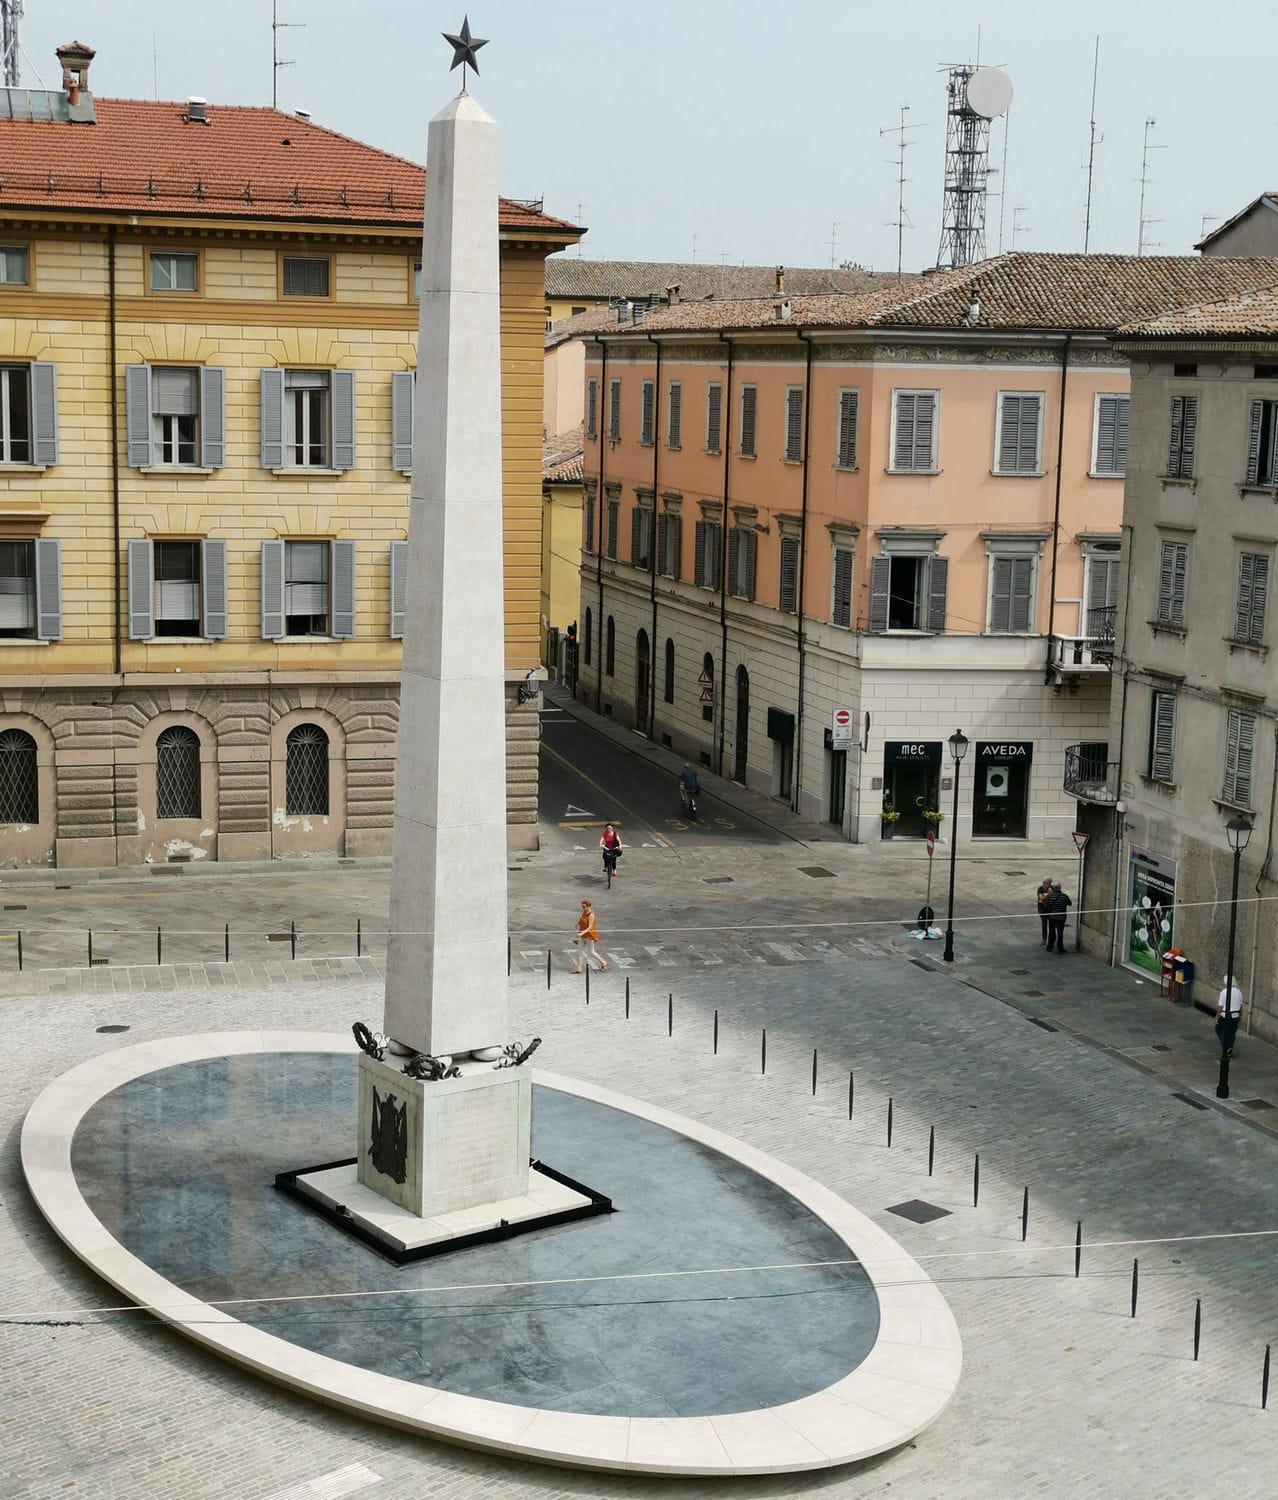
x: 989, y: 93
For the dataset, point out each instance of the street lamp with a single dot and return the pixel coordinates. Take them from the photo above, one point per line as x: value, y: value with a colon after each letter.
x: 958, y: 743
x: 1238, y: 832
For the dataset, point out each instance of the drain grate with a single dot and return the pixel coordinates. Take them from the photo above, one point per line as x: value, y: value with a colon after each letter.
x: 1190, y: 1100
x: 1255, y: 1104
x: 718, y: 879
x: 816, y: 872
x: 111, y: 1028
x: 1032, y: 994
x: 1160, y: 1047
x: 15, y: 908
x: 919, y: 1212
x: 1018, y: 971
x: 1013, y: 872
x: 98, y: 962
x: 922, y: 963
x: 1034, y: 1021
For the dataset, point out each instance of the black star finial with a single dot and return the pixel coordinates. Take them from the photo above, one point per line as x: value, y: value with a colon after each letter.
x: 464, y: 48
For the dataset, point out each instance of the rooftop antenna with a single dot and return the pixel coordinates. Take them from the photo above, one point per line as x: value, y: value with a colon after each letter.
x: 1207, y: 219
x: 901, y: 179
x: 976, y: 96
x: 581, y: 209
x: 1095, y: 140
x: 694, y: 249
x: 278, y: 62
x: 834, y: 239
x: 1017, y: 226
x: 11, y: 14
x: 1002, y: 177
x: 1150, y: 124
x: 155, y: 67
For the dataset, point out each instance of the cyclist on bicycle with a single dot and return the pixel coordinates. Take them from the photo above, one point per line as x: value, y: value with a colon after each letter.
x: 610, y: 843
x: 689, y: 790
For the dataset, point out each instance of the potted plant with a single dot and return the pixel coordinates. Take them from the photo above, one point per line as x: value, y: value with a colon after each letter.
x: 933, y: 816
x: 888, y: 818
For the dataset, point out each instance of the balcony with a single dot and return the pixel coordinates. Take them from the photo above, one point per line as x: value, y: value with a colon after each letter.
x: 1090, y: 775
x: 1079, y: 655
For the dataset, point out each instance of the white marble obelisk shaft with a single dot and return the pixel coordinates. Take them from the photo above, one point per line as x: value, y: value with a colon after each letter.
x: 446, y: 959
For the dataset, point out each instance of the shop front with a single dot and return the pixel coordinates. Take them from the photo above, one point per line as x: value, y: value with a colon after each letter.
x: 1000, y: 798
x: 912, y: 784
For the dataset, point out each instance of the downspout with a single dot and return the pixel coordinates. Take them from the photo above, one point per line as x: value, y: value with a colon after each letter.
x: 602, y: 429
x: 723, y: 559
x: 117, y: 638
x: 1056, y: 517
x: 1262, y: 874
x: 652, y: 541
x: 803, y: 559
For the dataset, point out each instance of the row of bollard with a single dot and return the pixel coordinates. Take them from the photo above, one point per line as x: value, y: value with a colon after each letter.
x: 96, y: 960
x: 931, y: 1161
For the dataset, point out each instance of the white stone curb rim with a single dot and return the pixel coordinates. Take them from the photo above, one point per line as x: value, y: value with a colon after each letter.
x: 903, y: 1385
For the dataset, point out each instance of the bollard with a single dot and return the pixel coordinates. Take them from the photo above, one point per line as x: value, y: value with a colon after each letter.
x: 716, y: 1033
x: 359, y: 943
x: 1264, y: 1381
x: 763, y: 1053
x: 889, y: 1120
x: 670, y: 1015
x: 1198, y: 1324
x: 508, y: 953
x: 547, y: 968
x: 90, y: 947
x: 292, y: 938
x: 627, y: 997
x: 814, y: 1071
x: 159, y: 946
x: 1135, y: 1284
x: 851, y: 1092
x: 226, y: 943
x: 1025, y: 1215
x: 931, y: 1148
x: 19, y: 952
x: 587, y: 984
x: 976, y: 1180
x: 1078, y: 1249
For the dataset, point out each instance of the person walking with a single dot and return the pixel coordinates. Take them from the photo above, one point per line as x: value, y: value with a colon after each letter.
x: 1228, y: 1014
x: 1043, y: 892
x: 587, y: 937
x: 1056, y: 907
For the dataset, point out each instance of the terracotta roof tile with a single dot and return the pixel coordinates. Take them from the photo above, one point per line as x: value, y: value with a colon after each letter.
x: 561, y: 458
x: 637, y: 280
x: 1253, y: 314
x: 246, y: 162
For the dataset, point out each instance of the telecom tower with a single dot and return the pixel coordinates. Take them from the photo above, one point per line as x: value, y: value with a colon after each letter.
x: 11, y: 13
x: 976, y: 96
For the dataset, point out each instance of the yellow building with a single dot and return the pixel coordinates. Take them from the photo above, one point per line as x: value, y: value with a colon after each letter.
x: 562, y: 493
x: 208, y: 326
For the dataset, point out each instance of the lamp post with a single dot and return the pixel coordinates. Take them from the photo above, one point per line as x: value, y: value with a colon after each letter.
x: 1238, y: 832
x: 958, y: 743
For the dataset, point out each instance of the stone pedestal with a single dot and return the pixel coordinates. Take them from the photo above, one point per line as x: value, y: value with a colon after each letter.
x: 439, y: 1147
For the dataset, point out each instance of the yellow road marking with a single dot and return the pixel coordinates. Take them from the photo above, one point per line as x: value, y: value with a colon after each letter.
x: 608, y: 797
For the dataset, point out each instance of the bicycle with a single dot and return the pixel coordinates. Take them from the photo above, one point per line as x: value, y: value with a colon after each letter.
x: 610, y: 857
x: 688, y: 801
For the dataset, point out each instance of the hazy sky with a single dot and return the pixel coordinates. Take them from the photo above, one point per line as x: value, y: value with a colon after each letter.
x: 749, y: 130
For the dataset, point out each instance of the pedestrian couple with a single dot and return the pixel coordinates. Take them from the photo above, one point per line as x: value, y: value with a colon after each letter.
x: 588, y: 938
x: 1053, y: 908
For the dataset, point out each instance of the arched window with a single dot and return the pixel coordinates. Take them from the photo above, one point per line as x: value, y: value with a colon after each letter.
x: 177, y: 773
x: 19, y: 782
x: 610, y: 649
x: 306, y: 772
x: 588, y: 636
x: 669, y: 670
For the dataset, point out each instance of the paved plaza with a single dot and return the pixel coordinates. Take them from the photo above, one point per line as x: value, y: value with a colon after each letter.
x: 1070, y: 1079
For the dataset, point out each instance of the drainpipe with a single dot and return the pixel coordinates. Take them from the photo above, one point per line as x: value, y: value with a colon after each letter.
x: 1056, y: 516
x: 652, y: 541
x: 1262, y: 874
x: 803, y: 559
x: 723, y: 558
x: 1120, y: 661
x: 601, y: 428
x: 117, y: 641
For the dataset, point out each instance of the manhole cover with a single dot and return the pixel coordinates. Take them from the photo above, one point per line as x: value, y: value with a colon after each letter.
x: 1190, y: 1100
x: 718, y: 879
x: 1255, y: 1103
x: 1013, y: 872
x: 111, y: 1028
x: 277, y: 937
x: 1032, y: 994
x: 1160, y: 1046
x: 15, y: 908
x: 1034, y: 1021
x: 816, y: 872
x: 919, y: 1212
x: 1018, y: 971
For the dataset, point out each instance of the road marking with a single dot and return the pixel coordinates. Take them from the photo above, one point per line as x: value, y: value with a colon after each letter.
x: 573, y: 811
x: 658, y: 952
x: 330, y: 1486
x: 607, y: 797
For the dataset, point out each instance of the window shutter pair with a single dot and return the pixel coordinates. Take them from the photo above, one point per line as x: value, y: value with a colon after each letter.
x: 1240, y: 741
x: 714, y: 414
x: 614, y: 411
x: 403, y: 385
x: 141, y: 589
x: 341, y: 603
x: 674, y: 414
x: 641, y: 537
x: 614, y: 517
x: 669, y: 536
x: 647, y: 402
x: 1184, y: 430
x: 935, y: 584
x: 707, y: 566
x: 1162, y: 736
x: 849, y: 404
x: 749, y: 416
x: 1111, y: 435
x: 1011, y: 595
x: 915, y: 429
x: 789, y: 574
x: 1253, y: 591
x: 1260, y: 468
x: 1019, y: 418
x: 1173, y: 567
x: 742, y: 549
x: 794, y: 426
x: 841, y: 609
x: 341, y: 409
x: 138, y: 411
x: 592, y: 409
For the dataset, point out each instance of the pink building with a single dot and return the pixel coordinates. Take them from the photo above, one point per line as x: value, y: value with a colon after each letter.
x: 821, y: 533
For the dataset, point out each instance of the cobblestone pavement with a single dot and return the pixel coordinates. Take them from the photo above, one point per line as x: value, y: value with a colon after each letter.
x: 1074, y: 1080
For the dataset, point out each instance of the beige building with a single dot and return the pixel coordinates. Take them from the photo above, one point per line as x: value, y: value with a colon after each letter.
x: 207, y: 342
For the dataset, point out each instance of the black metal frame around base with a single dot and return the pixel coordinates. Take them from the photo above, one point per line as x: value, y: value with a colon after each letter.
x: 343, y: 1219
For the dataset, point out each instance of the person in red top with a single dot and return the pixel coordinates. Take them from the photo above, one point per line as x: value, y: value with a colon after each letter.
x: 610, y: 843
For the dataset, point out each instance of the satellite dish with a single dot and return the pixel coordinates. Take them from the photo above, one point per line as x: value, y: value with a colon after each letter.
x: 989, y: 93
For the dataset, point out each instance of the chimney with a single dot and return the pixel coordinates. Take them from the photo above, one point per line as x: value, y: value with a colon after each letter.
x: 783, y: 311
x: 638, y: 312
x: 75, y: 58
x: 302, y: 114
x: 196, y: 110
x: 672, y: 294
x: 780, y: 281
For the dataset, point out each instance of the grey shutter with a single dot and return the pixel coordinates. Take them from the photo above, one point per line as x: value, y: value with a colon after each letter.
x: 749, y: 415
x: 1120, y: 434
x: 924, y: 427
x: 342, y: 393
x: 674, y: 545
x: 272, y: 590
x: 588, y: 505
x: 636, y: 538
x: 1162, y: 736
x: 903, y: 450
x: 938, y: 578
x: 1022, y: 593
x: 614, y: 411
x: 137, y: 414
x: 402, y: 421
x: 1184, y: 427
x: 1240, y: 737
x: 140, y: 586
x: 842, y: 611
x: 212, y: 417
x: 592, y: 409
x: 1102, y: 583
x: 44, y: 413
x: 880, y: 582
x: 699, y: 561
x: 1001, y: 595
x: 789, y: 574
x: 734, y: 565
x: 398, y: 588
x: 1171, y: 583
x: 1253, y: 442
x: 751, y: 556
x: 794, y: 426
x: 1018, y: 434
x: 48, y: 588
x: 714, y: 412
x: 213, y: 589
x: 715, y: 561
x: 1253, y: 589
x: 1105, y: 436
x: 674, y: 413
x: 848, y: 412
x: 645, y: 412
x: 343, y: 585
x: 272, y: 424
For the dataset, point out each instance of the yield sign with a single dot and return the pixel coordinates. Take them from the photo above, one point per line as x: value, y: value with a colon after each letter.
x: 576, y: 812
x: 1080, y: 840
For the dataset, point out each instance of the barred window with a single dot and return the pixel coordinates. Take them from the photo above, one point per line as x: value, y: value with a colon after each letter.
x: 306, y: 772
x: 177, y: 773
x: 19, y: 778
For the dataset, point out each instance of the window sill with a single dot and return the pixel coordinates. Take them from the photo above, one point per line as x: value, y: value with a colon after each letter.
x: 847, y: 468
x: 176, y: 640
x: 674, y: 448
x: 170, y: 469
x: 1095, y: 474
x: 25, y: 640
x: 747, y: 457
x: 304, y: 471
x: 1269, y: 490
x: 1178, y: 482
x: 1158, y: 784
x: 795, y: 463
x: 7, y: 468
x: 713, y: 452
x: 1018, y: 473
x: 1165, y: 627
x: 1253, y: 648
x: 1225, y: 805
x: 916, y: 473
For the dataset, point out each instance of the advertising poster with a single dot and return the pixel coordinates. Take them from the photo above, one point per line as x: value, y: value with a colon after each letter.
x: 1151, y: 910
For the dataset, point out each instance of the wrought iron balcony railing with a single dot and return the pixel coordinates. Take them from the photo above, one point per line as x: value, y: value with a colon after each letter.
x: 1090, y: 775
x: 1093, y: 652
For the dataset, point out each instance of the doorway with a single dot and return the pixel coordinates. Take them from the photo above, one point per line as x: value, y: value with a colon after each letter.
x: 643, y: 681
x: 836, y: 803
x: 912, y: 783
x: 741, y: 744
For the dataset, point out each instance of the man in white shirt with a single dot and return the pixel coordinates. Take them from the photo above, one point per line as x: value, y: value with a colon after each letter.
x: 1228, y: 1013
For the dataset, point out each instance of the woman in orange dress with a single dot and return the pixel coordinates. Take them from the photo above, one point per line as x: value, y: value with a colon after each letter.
x: 587, y: 937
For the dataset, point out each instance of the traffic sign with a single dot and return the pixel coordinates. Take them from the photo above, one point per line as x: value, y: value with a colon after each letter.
x: 931, y: 842
x: 707, y: 695
x: 1080, y: 840
x: 703, y: 677
x: 842, y: 718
